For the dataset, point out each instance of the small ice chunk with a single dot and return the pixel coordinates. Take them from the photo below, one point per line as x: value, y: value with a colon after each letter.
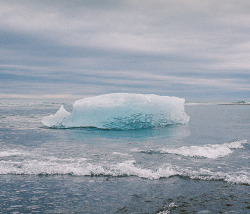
x: 57, y: 120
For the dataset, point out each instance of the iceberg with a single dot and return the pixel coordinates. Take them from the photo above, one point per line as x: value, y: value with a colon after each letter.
x: 121, y: 111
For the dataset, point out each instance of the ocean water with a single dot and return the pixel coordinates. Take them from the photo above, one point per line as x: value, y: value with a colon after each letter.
x: 200, y: 167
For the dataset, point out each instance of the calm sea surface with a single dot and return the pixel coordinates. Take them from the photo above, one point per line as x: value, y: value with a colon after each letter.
x: 201, y: 167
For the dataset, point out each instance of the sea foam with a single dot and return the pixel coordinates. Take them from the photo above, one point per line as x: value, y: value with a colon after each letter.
x: 81, y: 167
x: 121, y: 111
x: 212, y: 151
x: 207, y: 151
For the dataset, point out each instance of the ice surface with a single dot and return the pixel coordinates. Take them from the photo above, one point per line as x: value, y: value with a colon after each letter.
x: 121, y: 111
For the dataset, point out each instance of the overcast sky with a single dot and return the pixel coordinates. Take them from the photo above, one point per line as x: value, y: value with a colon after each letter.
x: 194, y: 49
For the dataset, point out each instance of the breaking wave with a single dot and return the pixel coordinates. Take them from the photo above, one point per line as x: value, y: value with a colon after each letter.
x: 9, y: 153
x: 121, y: 111
x: 212, y: 151
x: 81, y: 167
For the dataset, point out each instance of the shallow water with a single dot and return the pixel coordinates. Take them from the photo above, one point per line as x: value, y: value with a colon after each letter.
x: 199, y: 167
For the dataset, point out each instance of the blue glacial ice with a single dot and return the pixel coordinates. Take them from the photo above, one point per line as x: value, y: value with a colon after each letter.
x: 121, y: 111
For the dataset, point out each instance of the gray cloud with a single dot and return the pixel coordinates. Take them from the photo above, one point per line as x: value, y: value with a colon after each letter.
x: 196, y: 49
